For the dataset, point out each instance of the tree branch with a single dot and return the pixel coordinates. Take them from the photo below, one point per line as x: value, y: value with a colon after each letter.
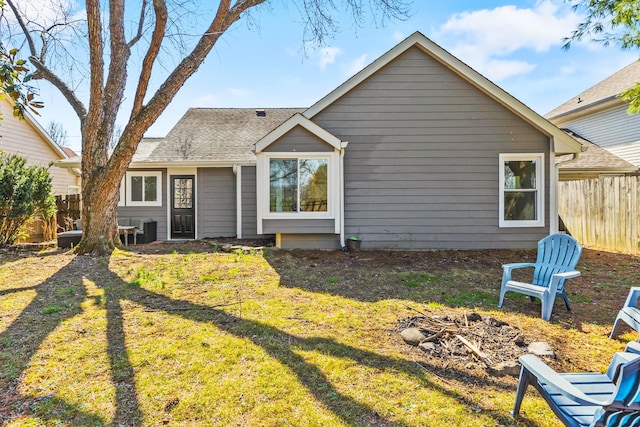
x: 67, y: 92
x: 96, y: 62
x: 117, y: 78
x: 160, y: 10
x: 138, y: 35
x: 23, y: 27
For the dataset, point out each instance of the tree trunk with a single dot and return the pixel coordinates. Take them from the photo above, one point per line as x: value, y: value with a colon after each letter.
x: 99, y: 203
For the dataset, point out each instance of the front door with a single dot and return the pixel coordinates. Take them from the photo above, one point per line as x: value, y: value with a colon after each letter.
x: 183, y: 225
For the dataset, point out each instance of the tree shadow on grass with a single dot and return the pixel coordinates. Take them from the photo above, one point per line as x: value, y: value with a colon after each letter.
x: 20, y: 342
x: 57, y: 299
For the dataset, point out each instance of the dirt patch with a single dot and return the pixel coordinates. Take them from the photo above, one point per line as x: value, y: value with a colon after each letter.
x: 469, y: 341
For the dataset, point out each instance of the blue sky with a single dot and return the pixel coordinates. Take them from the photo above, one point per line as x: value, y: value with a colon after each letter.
x: 516, y: 44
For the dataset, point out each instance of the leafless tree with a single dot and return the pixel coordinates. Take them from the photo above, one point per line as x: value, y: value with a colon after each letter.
x: 58, y: 133
x: 112, y: 43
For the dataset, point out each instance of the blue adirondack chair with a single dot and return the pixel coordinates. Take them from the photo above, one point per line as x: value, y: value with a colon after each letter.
x: 586, y: 399
x: 629, y: 314
x: 558, y: 255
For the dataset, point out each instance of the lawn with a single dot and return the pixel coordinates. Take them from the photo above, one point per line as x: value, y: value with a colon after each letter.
x: 176, y: 334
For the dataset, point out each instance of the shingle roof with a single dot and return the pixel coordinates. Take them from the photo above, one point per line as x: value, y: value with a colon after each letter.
x: 607, y: 89
x: 596, y: 158
x: 221, y: 135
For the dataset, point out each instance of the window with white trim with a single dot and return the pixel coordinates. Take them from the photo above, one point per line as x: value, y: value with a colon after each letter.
x: 298, y: 185
x: 521, y: 190
x: 143, y: 188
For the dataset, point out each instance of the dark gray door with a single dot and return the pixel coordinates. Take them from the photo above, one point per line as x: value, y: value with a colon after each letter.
x: 183, y: 207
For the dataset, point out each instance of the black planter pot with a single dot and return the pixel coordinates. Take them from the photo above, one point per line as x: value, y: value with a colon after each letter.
x: 353, y: 245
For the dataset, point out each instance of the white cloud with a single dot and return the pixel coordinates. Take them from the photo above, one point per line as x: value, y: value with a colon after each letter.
x: 482, y: 36
x: 356, y: 65
x: 46, y: 13
x: 328, y: 56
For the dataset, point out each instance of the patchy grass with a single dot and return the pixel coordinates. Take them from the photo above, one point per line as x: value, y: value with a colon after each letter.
x: 184, y: 335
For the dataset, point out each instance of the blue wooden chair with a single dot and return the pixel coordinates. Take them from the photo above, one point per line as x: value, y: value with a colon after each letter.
x: 558, y: 255
x: 629, y: 314
x: 586, y: 399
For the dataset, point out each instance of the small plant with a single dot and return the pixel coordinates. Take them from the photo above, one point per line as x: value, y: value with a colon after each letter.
x: 52, y: 310
x: 353, y: 238
x: 210, y: 277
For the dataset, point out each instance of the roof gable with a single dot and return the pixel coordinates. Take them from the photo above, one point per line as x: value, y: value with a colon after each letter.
x: 294, y: 121
x: 561, y: 142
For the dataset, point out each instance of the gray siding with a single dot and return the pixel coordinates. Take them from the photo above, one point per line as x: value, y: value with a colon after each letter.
x: 159, y: 213
x: 249, y: 209
x: 421, y: 168
x: 216, y: 202
x: 299, y: 140
x: 309, y: 241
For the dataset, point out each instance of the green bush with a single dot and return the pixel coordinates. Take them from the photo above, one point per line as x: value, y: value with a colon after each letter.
x: 25, y: 191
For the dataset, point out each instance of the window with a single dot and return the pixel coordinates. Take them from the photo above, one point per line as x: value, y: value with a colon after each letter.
x: 522, y: 190
x: 298, y: 185
x: 144, y: 188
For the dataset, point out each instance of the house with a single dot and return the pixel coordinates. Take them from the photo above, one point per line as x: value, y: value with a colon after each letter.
x: 416, y: 151
x: 598, y: 190
x: 600, y: 116
x: 29, y: 140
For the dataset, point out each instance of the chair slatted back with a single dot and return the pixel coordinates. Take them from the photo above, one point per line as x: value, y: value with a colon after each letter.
x: 557, y: 253
x: 624, y: 409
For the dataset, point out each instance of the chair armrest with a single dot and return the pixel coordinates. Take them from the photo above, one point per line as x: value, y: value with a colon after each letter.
x: 516, y: 265
x: 619, y: 359
x: 632, y: 298
x: 543, y: 373
x: 556, y: 279
x: 633, y: 347
x: 508, y: 268
x: 568, y: 274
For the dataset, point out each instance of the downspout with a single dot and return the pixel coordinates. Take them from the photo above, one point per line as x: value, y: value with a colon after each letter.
x: 237, y: 171
x: 343, y: 146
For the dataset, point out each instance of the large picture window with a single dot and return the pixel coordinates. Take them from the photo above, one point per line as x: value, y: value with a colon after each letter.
x: 144, y: 188
x: 522, y: 190
x: 298, y: 185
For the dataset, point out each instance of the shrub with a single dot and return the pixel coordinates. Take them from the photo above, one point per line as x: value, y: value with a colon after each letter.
x: 25, y: 191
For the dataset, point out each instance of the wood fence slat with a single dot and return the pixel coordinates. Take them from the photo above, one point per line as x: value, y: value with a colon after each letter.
x: 602, y: 212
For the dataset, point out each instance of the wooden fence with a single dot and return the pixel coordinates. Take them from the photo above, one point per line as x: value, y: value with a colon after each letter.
x: 68, y: 210
x: 602, y: 212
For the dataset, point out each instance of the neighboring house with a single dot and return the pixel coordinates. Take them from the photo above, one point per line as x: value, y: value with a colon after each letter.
x: 600, y: 116
x: 593, y: 163
x: 29, y: 140
x: 416, y: 151
x: 599, y: 190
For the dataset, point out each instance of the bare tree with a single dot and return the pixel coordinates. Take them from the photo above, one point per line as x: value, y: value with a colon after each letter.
x: 58, y: 133
x: 110, y: 44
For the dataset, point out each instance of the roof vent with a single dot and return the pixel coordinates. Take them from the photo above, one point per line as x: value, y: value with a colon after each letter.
x: 261, y: 113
